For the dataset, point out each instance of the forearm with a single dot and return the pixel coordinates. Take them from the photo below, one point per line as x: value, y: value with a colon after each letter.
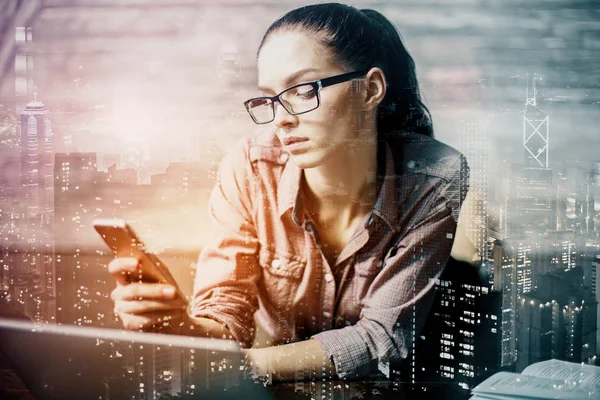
x: 290, y: 361
x: 206, y: 327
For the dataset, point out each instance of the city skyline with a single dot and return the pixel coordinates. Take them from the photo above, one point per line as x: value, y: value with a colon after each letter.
x: 135, y: 126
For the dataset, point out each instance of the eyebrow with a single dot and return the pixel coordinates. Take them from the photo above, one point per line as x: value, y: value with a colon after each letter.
x: 290, y: 78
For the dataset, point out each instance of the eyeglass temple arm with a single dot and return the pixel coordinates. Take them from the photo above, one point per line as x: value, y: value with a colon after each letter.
x: 342, y: 78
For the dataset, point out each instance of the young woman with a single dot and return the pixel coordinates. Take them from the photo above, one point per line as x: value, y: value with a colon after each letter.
x: 334, y: 223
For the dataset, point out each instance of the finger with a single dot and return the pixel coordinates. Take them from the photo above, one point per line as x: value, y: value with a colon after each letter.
x: 137, y: 322
x: 151, y: 320
x: 164, y: 268
x: 121, y: 268
x: 148, y: 306
x: 144, y: 291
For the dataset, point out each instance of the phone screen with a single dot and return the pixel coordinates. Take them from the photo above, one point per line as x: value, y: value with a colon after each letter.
x: 124, y: 242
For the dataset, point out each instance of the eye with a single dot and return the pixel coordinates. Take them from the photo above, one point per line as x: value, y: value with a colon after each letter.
x: 306, y: 92
x: 258, y: 102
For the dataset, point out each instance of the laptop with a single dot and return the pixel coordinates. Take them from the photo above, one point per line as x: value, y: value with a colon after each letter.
x: 72, y: 362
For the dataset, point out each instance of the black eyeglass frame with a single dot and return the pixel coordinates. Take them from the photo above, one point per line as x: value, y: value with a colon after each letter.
x: 317, y: 86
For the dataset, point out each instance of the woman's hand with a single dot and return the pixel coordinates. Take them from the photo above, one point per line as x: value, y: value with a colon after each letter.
x: 257, y: 365
x: 282, y: 363
x: 146, y: 306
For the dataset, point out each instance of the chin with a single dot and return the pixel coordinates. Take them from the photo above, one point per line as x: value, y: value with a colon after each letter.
x: 307, y: 160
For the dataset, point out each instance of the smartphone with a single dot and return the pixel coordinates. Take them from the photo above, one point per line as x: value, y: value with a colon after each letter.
x: 124, y: 242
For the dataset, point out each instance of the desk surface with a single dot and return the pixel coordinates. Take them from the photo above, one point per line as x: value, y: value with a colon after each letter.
x: 13, y: 388
x: 345, y: 390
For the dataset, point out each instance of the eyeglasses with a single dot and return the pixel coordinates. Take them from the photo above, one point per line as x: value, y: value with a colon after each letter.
x: 297, y: 99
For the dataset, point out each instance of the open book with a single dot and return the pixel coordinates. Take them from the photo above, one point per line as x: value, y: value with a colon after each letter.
x: 551, y: 379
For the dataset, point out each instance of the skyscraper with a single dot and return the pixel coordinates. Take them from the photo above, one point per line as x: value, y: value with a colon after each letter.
x: 36, y: 274
x: 504, y: 281
x: 592, y: 195
x: 523, y: 269
x: 475, y: 139
x: 24, y: 85
x: 529, y: 201
x: 37, y: 157
x: 560, y: 251
x: 535, y: 129
x: 460, y: 342
x: 74, y: 170
x: 574, y: 196
x: 549, y: 320
x: 591, y: 327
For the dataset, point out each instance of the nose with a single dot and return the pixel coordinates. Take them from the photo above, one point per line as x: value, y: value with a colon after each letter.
x: 282, y: 117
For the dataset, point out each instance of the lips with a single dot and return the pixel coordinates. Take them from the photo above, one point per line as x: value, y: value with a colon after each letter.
x: 293, y: 139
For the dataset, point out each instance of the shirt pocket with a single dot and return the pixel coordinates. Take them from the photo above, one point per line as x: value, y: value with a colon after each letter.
x: 281, y: 276
x: 365, y: 269
x: 368, y: 267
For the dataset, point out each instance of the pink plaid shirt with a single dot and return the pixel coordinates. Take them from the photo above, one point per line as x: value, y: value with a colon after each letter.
x: 266, y: 257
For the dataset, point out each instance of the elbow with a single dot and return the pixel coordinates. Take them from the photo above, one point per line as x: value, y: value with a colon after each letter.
x: 388, y: 346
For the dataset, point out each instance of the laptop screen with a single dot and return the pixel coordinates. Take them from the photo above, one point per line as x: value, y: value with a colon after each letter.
x: 84, y: 362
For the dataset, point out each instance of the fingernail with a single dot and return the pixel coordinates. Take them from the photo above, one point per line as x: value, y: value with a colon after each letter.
x: 169, y: 292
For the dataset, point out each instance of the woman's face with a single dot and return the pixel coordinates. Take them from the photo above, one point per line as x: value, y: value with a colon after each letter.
x: 290, y: 58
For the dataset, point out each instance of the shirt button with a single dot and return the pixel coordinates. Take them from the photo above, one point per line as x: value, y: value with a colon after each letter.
x: 284, y: 157
x: 275, y: 264
x: 328, y: 277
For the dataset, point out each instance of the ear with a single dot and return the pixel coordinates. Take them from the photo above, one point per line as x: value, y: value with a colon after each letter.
x: 375, y: 88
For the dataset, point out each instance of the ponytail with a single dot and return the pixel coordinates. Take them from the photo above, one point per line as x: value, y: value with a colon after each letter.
x: 402, y: 108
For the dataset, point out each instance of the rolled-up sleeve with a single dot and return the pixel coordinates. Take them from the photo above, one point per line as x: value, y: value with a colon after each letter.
x: 400, y: 297
x: 227, y: 272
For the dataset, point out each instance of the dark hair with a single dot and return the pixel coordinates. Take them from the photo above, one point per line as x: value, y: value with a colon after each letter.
x: 359, y: 40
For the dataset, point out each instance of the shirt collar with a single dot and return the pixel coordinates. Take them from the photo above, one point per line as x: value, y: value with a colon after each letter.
x: 386, y: 206
x: 288, y: 192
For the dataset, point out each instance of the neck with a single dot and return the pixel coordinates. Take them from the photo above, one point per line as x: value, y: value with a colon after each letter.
x: 347, y: 180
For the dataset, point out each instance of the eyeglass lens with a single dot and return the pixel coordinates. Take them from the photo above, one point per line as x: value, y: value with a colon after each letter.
x: 295, y: 100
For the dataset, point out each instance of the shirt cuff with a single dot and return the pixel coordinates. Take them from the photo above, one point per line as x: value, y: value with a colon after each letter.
x: 348, y: 352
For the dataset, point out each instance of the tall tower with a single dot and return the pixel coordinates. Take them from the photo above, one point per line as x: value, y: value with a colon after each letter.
x: 536, y: 125
x: 24, y: 85
x: 475, y: 140
x: 37, y: 158
x: 36, y: 275
x: 592, y: 194
x: 530, y: 198
x: 505, y: 264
